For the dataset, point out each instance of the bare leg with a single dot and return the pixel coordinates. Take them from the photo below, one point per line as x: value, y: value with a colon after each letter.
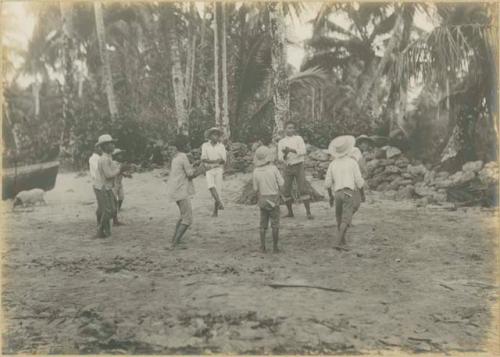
x: 263, y: 240
x: 307, y: 205
x: 342, y: 233
x: 174, y: 237
x: 276, y: 233
x: 218, y: 204
x: 179, y: 233
x: 290, y: 209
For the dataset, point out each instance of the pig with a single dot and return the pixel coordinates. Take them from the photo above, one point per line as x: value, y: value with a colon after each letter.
x: 29, y: 198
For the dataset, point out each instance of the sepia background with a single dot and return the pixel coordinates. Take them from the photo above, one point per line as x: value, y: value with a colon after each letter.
x: 417, y: 82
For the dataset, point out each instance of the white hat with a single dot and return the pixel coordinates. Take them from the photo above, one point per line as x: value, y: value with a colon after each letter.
x: 341, y: 146
x: 105, y: 138
x: 262, y: 156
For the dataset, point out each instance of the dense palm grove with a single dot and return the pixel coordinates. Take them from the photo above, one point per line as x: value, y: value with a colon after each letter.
x: 144, y: 71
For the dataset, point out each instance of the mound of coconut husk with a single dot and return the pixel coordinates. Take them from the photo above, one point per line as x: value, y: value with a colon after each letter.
x: 249, y: 195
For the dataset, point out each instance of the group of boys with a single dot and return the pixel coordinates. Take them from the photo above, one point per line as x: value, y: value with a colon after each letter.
x: 107, y: 172
x: 343, y: 181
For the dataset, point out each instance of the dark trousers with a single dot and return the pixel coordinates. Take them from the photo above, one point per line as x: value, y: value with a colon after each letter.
x: 106, y: 208
x: 295, y: 172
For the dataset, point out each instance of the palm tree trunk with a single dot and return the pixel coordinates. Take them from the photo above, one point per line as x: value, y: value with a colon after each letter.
x: 105, y: 63
x: 67, y: 135
x: 180, y: 96
x: 393, y: 42
x: 216, y: 66
x: 36, y: 95
x: 191, y: 56
x: 225, y: 100
x: 281, y: 89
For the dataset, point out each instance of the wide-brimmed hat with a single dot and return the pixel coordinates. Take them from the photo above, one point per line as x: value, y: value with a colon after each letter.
x: 103, y: 139
x: 341, y: 146
x: 262, y: 156
x: 209, y: 132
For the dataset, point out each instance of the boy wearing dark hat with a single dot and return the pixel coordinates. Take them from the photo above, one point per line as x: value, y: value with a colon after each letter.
x: 181, y: 188
x: 267, y: 181
x: 344, y: 183
x: 213, y: 156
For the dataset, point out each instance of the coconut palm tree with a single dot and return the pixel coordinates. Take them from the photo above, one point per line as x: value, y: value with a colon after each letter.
x: 462, y: 48
x: 225, y: 100
x: 180, y: 94
x: 105, y: 62
x: 281, y: 90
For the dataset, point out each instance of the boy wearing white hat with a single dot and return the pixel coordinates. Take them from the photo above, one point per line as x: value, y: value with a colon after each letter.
x: 213, y: 156
x: 106, y: 173
x: 344, y: 183
x: 267, y: 181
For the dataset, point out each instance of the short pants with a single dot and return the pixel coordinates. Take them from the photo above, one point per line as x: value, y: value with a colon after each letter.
x: 186, y: 211
x: 268, y: 212
x: 298, y: 173
x: 347, y: 202
x: 214, y: 179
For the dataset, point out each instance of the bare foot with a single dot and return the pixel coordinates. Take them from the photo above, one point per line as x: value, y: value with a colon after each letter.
x: 118, y: 223
x: 310, y: 216
x: 220, y: 205
x: 290, y: 215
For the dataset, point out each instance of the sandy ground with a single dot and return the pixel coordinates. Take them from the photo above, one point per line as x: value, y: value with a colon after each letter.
x: 417, y: 279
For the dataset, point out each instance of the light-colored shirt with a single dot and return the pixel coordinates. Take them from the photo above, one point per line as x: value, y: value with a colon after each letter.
x: 93, y: 166
x: 213, y: 153
x: 293, y: 142
x: 179, y: 186
x: 267, y: 180
x: 106, y: 172
x: 344, y: 173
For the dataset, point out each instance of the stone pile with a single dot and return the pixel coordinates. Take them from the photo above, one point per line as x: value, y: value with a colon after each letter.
x: 388, y: 170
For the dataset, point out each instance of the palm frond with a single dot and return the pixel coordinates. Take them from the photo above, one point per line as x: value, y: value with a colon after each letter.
x: 311, y: 77
x: 447, y: 50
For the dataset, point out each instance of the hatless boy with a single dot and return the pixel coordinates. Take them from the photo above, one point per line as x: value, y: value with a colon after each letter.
x: 180, y: 187
x: 292, y: 152
x: 214, y: 157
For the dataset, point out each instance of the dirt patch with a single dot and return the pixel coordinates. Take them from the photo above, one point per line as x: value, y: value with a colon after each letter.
x: 417, y: 279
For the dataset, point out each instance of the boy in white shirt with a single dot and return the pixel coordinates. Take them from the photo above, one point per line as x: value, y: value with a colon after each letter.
x: 213, y: 156
x: 345, y: 184
x: 292, y: 151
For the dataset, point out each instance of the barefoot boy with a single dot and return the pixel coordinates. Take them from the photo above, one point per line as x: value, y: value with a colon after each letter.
x: 106, y: 173
x: 292, y: 151
x: 344, y: 183
x: 267, y: 181
x: 93, y: 160
x: 181, y: 188
x: 213, y: 156
x: 118, y: 191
